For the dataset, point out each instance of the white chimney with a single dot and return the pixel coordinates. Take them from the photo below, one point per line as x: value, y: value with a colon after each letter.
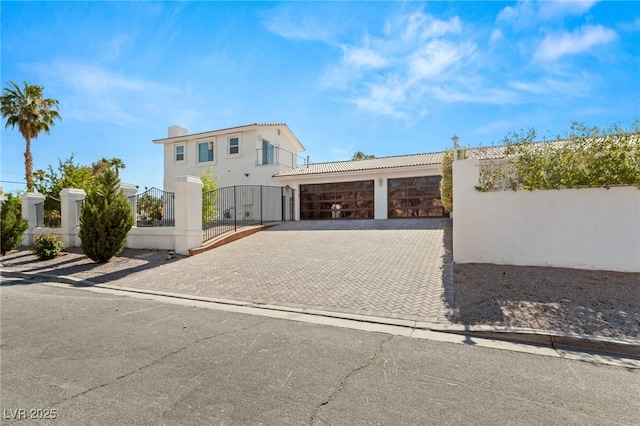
x: 176, y: 131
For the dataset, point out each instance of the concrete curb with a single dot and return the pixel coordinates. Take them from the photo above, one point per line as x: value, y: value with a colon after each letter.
x: 553, y: 339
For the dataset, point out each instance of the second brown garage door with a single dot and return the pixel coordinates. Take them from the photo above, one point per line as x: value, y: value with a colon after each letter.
x: 415, y: 197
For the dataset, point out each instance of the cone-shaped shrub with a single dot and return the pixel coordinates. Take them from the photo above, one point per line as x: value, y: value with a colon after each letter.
x: 12, y: 223
x: 105, y: 219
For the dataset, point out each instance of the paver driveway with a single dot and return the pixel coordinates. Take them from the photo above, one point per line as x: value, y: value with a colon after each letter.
x: 387, y: 268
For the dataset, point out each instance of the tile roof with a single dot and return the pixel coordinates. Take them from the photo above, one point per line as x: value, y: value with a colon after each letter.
x: 411, y: 160
x: 225, y: 130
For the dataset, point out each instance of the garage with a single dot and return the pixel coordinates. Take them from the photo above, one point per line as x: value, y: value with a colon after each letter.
x: 338, y: 200
x: 415, y: 197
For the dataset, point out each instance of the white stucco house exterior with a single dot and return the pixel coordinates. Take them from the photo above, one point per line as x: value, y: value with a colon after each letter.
x: 244, y: 155
x: 402, y: 186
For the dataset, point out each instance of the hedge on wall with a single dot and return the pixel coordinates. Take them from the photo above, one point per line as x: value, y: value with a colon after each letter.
x: 585, y: 157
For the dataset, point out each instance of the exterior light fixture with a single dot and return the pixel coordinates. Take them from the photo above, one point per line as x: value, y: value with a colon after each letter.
x: 455, y: 147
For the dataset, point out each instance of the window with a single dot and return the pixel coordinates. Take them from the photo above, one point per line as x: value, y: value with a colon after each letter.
x: 205, y: 152
x: 268, y: 156
x: 234, y: 145
x: 179, y: 153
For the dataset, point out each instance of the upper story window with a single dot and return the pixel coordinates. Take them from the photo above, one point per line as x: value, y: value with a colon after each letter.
x: 233, y: 143
x: 268, y: 154
x: 205, y: 152
x: 178, y: 155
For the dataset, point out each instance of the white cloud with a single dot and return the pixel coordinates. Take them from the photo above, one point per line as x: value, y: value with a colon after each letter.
x: 553, y: 9
x: 419, y: 27
x: 526, y: 14
x: 388, y: 74
x: 437, y: 59
x: 362, y: 57
x: 555, y: 46
x: 289, y: 26
x: 96, y: 93
x: 496, y: 35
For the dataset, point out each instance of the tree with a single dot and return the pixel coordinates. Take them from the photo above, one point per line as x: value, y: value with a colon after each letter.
x: 359, y: 155
x: 113, y: 163
x: 12, y: 224
x: 68, y: 175
x: 105, y: 219
x: 209, y: 187
x: 446, y: 183
x: 32, y: 113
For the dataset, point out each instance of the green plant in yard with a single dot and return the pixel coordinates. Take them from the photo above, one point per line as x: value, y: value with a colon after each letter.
x: 12, y: 223
x: 209, y: 187
x: 446, y: 183
x: 105, y: 219
x: 47, y: 246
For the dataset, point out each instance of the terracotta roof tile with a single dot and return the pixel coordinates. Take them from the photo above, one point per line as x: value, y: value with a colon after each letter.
x: 410, y: 160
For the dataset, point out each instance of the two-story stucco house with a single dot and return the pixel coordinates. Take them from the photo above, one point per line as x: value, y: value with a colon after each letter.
x: 402, y: 186
x: 242, y: 155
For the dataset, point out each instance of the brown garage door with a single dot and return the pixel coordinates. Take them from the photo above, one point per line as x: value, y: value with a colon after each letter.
x: 342, y: 200
x: 415, y: 197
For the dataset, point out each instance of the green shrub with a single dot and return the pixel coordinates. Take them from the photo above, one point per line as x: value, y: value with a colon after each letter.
x: 446, y: 183
x: 209, y: 187
x: 12, y: 223
x: 105, y: 219
x: 585, y: 157
x: 47, y: 246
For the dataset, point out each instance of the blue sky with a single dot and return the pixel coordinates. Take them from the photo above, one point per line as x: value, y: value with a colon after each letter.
x: 385, y: 78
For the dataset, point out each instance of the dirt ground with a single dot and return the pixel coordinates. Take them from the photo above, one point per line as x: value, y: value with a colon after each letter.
x: 598, y: 303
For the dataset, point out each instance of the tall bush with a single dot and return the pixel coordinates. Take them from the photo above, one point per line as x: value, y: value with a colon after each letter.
x: 12, y: 223
x: 446, y: 183
x: 105, y: 219
x: 209, y: 185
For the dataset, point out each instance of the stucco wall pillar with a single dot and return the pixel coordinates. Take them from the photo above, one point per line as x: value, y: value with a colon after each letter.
x: 70, y: 213
x: 130, y: 190
x: 188, y: 211
x: 465, y: 176
x: 29, y: 202
x: 381, y: 206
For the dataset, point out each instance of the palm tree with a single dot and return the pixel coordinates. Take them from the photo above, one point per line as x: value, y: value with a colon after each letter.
x: 33, y: 114
x: 116, y: 163
x: 359, y: 155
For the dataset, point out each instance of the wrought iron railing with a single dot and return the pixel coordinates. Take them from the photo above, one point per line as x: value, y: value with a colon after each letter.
x: 280, y: 156
x: 227, y: 209
x: 48, y: 213
x: 79, y: 205
x: 154, y: 207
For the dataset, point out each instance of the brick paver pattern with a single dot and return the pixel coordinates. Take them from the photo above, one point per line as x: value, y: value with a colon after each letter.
x: 387, y: 268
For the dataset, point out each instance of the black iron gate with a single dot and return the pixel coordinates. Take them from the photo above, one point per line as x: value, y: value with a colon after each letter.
x: 227, y: 209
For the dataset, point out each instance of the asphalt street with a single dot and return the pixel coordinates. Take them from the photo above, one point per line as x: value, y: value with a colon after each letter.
x: 105, y: 359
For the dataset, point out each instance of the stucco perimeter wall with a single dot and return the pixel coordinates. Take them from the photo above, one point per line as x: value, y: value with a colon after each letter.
x: 589, y: 228
x: 161, y: 238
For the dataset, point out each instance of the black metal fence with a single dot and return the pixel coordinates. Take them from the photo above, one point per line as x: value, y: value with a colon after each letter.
x: 79, y: 205
x: 154, y: 207
x: 227, y: 209
x: 48, y: 213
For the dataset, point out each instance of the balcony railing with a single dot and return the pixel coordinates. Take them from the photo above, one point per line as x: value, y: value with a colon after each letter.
x: 280, y: 156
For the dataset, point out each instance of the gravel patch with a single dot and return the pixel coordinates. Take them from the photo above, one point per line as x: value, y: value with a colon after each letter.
x: 72, y: 262
x: 598, y: 303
